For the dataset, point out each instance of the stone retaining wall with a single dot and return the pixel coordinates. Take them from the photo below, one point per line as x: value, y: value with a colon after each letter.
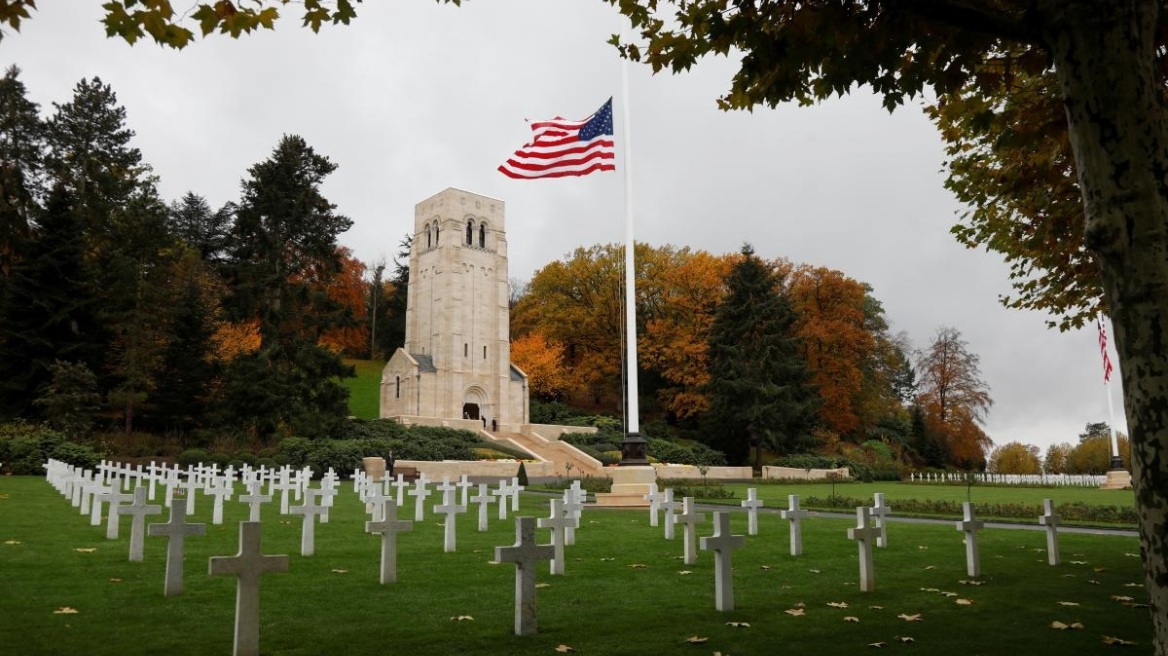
x: 713, y: 473
x: 792, y: 473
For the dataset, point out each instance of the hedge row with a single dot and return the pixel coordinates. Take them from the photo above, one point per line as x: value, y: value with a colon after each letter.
x: 1073, y: 512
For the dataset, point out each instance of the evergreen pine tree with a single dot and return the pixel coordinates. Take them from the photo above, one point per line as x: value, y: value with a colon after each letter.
x: 285, y: 239
x: 46, y: 309
x: 22, y: 145
x: 759, y: 390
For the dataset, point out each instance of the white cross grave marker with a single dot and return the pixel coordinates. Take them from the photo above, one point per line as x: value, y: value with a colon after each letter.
x: 464, y: 486
x: 669, y: 506
x: 139, y: 509
x: 723, y: 544
x: 515, y: 488
x: 176, y: 529
x: 878, y: 512
x: 309, y: 509
x: 574, y: 507
x: 419, y: 493
x: 254, y: 500
x: 483, y: 499
x: 794, y: 515
x: 115, y: 499
x: 689, y: 519
x: 451, y: 511
x: 401, y: 485
x: 221, y: 488
x: 654, y: 497
x: 1050, y: 520
x: 247, y: 565
x: 971, y: 525
x: 525, y: 553
x: 100, y: 493
x: 389, y: 527
x: 503, y: 492
x: 557, y: 522
x: 752, y: 503
x: 864, y: 534
x: 284, y: 485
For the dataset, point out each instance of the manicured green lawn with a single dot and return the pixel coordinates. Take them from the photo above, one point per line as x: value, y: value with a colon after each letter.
x: 332, y: 602
x: 365, y: 389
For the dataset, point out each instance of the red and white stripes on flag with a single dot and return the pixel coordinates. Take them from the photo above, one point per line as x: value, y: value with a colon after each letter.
x: 1103, y: 350
x: 563, y: 148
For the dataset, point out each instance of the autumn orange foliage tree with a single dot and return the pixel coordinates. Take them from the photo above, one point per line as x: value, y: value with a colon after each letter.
x: 549, y: 377
x: 836, y: 341
x: 349, y: 290
x: 954, y: 398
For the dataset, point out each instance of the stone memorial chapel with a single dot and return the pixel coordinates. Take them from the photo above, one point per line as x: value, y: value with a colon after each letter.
x: 456, y: 362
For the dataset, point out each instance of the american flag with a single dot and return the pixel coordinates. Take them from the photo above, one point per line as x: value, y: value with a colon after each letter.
x: 1103, y: 350
x: 564, y: 148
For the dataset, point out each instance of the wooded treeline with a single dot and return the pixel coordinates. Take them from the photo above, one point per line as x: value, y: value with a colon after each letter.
x: 118, y: 309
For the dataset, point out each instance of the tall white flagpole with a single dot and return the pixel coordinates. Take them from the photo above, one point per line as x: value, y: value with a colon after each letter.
x: 633, y: 447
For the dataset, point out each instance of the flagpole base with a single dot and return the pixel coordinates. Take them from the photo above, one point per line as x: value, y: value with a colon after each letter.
x: 633, y: 451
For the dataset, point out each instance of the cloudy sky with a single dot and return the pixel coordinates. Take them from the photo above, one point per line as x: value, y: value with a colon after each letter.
x: 415, y: 97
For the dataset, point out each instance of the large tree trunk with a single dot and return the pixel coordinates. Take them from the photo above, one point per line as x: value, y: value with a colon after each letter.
x: 1105, y: 55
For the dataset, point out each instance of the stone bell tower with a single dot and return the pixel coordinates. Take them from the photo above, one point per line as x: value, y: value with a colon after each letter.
x: 456, y: 362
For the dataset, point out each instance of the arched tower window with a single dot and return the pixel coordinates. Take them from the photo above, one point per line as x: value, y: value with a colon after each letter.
x: 397, y: 379
x: 470, y: 233
x: 428, y: 236
x: 435, y: 233
x: 482, y: 235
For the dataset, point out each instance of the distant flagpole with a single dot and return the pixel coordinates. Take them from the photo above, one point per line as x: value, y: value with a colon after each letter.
x: 633, y: 451
x: 1116, y: 460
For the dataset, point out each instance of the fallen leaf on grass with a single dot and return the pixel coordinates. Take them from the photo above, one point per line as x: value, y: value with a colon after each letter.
x: 948, y: 594
x: 1078, y: 562
x: 340, y: 571
x: 85, y: 549
x: 930, y: 589
x: 1117, y: 642
x: 930, y: 567
x: 922, y: 547
x: 875, y: 608
x: 1092, y: 582
x: 964, y: 602
x: 1126, y: 585
x: 694, y: 640
x: 684, y: 572
x: 1068, y: 603
x: 1100, y: 570
x: 563, y: 649
x: 972, y: 582
x: 462, y: 618
x: 543, y: 585
x: 878, y: 645
x: 65, y: 610
x: 493, y: 562
x: 815, y: 571
x: 795, y: 612
x: 851, y: 618
x: 1132, y: 555
x: 764, y: 567
x: 1122, y: 598
x: 738, y: 625
x: 12, y: 542
x: 838, y: 604
x: 638, y: 566
x: 1063, y: 627
x: 115, y: 580
x: 910, y: 618
x: 604, y: 559
x: 905, y: 639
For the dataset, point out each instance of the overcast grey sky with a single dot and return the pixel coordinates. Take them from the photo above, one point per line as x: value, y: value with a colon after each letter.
x: 414, y: 97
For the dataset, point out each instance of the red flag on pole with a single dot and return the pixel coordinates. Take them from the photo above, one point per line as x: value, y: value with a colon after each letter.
x: 1103, y: 350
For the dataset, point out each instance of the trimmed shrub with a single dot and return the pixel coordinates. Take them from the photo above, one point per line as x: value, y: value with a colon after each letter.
x: 193, y: 457
x: 77, y: 455
x: 343, y: 456
x: 523, y: 475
